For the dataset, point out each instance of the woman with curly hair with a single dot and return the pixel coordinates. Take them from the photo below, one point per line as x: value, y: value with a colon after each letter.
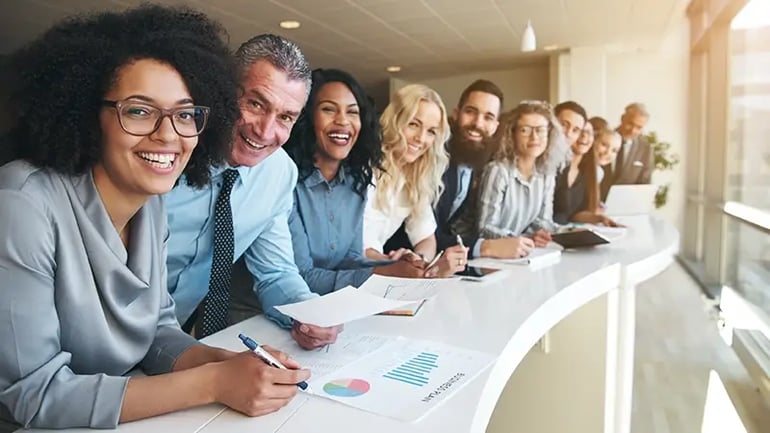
x: 109, y: 111
x: 516, y: 189
x: 336, y: 146
x: 414, y: 130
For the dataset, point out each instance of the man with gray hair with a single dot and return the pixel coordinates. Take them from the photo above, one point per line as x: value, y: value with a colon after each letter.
x: 635, y: 162
x: 244, y: 212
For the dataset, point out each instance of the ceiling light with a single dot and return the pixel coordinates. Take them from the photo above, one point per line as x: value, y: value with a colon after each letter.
x: 289, y: 24
x: 553, y: 47
x: 528, y: 42
x: 393, y: 68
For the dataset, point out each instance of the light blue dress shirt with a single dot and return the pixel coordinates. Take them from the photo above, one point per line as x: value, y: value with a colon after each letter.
x: 327, y: 232
x: 464, y: 173
x: 261, y: 202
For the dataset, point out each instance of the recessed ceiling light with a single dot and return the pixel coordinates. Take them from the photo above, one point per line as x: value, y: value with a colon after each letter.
x: 393, y: 68
x: 553, y: 47
x: 289, y: 24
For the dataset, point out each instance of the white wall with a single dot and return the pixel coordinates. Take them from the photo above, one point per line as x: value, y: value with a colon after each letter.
x: 660, y: 80
x: 525, y: 82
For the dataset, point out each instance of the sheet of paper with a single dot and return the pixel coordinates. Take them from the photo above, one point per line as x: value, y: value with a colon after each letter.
x: 332, y: 357
x: 342, y: 306
x: 536, y: 255
x: 403, y: 380
x: 406, y: 289
x: 537, y: 258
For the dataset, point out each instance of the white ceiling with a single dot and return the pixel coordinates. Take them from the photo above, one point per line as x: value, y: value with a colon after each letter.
x: 440, y: 37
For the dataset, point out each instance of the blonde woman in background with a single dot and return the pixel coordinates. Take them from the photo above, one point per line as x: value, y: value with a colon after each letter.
x: 607, y: 145
x: 516, y: 189
x: 414, y: 129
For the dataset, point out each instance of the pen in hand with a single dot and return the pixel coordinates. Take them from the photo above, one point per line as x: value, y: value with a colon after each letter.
x: 460, y: 241
x: 435, y: 260
x: 269, y: 359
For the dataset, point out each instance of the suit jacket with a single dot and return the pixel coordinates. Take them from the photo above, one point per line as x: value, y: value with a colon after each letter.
x: 637, y: 167
x: 445, y: 237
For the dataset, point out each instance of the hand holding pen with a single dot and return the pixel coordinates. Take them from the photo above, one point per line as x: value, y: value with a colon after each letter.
x: 269, y: 359
x: 448, y: 262
x: 249, y: 385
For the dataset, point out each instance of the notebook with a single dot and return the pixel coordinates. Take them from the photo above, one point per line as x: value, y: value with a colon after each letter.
x: 579, y: 238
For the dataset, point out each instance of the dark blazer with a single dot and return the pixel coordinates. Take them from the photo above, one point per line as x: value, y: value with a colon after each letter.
x: 637, y: 167
x: 444, y: 236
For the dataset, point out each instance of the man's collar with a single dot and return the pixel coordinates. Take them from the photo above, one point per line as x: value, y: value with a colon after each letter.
x: 241, y: 169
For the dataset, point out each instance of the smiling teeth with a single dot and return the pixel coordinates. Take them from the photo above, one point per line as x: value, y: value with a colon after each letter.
x: 251, y: 143
x: 339, y: 136
x: 160, y: 160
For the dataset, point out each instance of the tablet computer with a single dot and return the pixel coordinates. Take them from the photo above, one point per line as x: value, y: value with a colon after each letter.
x: 477, y: 273
x: 579, y: 238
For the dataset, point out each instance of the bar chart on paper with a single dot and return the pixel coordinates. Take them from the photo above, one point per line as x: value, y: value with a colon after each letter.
x: 415, y: 371
x: 404, y: 379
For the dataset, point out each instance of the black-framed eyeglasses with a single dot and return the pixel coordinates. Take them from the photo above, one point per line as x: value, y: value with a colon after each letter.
x: 528, y: 131
x: 141, y: 119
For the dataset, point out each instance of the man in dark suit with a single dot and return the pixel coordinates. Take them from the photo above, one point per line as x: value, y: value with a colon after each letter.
x: 473, y: 123
x: 635, y: 161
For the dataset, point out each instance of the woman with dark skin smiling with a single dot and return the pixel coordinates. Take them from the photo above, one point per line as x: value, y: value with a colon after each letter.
x: 336, y: 145
x: 110, y: 110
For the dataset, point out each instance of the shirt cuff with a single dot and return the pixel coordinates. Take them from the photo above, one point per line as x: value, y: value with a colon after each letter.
x: 283, y: 320
x: 477, y: 248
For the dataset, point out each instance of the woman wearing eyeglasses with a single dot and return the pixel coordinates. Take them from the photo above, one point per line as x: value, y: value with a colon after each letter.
x: 515, y: 197
x: 110, y: 110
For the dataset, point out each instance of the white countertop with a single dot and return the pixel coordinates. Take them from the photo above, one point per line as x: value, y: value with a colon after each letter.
x: 504, y: 317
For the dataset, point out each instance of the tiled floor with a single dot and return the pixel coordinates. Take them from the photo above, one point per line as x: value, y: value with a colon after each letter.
x: 677, y: 346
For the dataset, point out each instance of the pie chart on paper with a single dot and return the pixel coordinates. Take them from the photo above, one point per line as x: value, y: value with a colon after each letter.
x: 346, y: 387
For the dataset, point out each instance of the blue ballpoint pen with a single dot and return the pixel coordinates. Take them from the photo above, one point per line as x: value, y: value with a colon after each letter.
x: 268, y: 358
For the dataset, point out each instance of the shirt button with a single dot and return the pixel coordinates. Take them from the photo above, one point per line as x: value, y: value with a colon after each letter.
x: 333, y: 246
x: 331, y: 217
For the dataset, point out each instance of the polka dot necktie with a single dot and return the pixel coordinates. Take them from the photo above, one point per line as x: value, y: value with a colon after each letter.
x: 217, y: 300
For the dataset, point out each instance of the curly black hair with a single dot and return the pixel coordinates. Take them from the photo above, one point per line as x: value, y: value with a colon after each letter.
x: 60, y: 79
x: 367, y: 151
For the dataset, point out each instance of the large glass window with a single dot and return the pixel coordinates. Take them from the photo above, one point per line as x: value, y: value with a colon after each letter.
x: 747, y: 258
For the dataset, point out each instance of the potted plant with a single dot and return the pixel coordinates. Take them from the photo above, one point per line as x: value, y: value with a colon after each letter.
x: 664, y: 159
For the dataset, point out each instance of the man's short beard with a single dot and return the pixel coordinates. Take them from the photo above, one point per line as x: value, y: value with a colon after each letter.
x: 473, y: 153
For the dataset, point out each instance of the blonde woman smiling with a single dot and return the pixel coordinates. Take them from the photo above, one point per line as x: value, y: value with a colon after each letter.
x: 414, y: 130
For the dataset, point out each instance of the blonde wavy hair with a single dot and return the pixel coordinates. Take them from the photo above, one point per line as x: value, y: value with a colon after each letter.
x: 423, y: 176
x: 556, y: 154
